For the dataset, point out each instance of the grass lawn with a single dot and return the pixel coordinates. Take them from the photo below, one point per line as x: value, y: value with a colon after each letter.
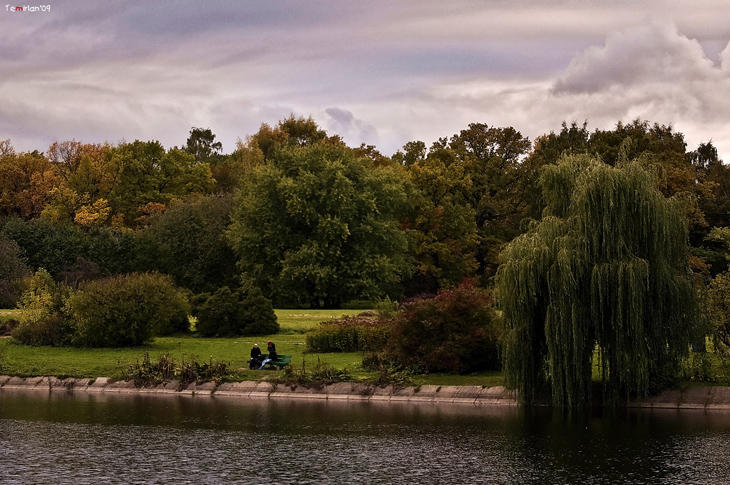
x: 80, y: 362
x: 8, y: 314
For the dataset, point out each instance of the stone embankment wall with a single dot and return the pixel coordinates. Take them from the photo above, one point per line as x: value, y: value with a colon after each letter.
x: 690, y: 398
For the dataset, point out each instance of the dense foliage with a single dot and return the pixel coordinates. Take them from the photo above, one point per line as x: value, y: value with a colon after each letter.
x: 119, y: 311
x: 315, y: 223
x: 318, y: 226
x: 458, y: 331
x: 128, y: 310
x: 358, y: 333
x: 42, y: 321
x: 188, y: 242
x: 607, y: 266
x: 228, y: 313
x: 12, y: 270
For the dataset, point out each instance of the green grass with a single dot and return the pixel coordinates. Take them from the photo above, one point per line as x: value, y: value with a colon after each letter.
x: 301, y: 321
x: 26, y: 361
x: 8, y: 314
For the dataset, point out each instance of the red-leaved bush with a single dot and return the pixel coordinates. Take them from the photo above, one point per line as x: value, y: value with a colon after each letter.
x: 456, y: 332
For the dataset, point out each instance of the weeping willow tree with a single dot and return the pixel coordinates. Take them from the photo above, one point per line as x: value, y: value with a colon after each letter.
x: 605, y: 269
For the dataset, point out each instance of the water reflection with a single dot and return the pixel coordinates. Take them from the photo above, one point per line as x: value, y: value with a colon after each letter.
x: 85, y: 438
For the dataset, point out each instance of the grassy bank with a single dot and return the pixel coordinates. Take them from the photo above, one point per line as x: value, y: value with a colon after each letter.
x: 80, y: 362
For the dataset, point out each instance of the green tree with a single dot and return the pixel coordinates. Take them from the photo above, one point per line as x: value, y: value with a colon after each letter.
x: 202, y: 145
x: 502, y: 192
x: 44, y: 244
x: 290, y: 132
x: 259, y: 314
x: 442, y: 225
x: 659, y: 148
x: 12, y: 270
x: 149, y: 175
x: 190, y: 243
x: 115, y: 250
x: 475, y: 190
x: 718, y: 297
x: 318, y: 226
x: 607, y: 267
x: 413, y: 152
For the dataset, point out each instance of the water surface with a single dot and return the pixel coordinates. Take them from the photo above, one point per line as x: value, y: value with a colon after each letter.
x: 105, y: 438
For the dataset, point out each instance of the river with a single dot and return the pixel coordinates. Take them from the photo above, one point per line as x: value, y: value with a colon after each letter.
x: 60, y: 437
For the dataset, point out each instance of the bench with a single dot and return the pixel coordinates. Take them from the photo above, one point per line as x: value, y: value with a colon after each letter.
x: 281, y: 361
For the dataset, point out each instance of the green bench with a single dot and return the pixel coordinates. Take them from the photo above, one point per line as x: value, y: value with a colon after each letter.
x: 281, y: 361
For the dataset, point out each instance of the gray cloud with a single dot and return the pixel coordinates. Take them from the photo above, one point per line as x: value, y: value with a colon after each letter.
x: 654, y: 53
x: 352, y: 130
x: 378, y: 72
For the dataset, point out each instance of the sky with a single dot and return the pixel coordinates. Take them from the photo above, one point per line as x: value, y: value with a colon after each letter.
x: 380, y: 72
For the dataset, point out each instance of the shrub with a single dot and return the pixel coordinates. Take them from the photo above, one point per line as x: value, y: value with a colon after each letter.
x: 349, y: 334
x: 42, y: 319
x: 456, y: 332
x: 259, y: 314
x: 7, y: 326
x: 228, y: 313
x: 127, y: 310
x: 167, y: 368
x: 53, y: 331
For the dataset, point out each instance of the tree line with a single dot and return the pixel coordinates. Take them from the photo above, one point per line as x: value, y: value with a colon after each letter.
x: 589, y: 238
x: 311, y: 221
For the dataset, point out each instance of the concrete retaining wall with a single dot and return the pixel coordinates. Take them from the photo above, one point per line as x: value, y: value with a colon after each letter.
x: 690, y: 398
x: 497, y: 395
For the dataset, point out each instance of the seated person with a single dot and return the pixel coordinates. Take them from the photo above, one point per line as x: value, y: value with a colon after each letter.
x: 272, y: 354
x: 256, y: 358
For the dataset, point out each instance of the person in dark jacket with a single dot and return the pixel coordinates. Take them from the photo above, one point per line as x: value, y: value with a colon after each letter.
x: 272, y: 350
x: 255, y: 357
x: 272, y: 355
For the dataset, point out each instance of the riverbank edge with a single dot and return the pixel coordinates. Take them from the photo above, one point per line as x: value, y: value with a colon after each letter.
x: 700, y: 397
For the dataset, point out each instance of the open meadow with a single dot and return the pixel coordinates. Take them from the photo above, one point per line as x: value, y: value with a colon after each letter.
x: 27, y: 361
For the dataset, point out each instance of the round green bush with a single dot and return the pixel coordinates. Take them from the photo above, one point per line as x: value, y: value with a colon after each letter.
x: 128, y: 310
x: 228, y: 313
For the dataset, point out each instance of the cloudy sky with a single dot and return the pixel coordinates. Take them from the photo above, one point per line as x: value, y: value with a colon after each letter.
x: 382, y: 72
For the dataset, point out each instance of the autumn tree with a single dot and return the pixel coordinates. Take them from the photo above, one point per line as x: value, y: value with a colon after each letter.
x: 442, y: 224
x: 606, y: 267
x: 88, y: 177
x: 27, y: 181
x: 229, y: 170
x: 475, y: 189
